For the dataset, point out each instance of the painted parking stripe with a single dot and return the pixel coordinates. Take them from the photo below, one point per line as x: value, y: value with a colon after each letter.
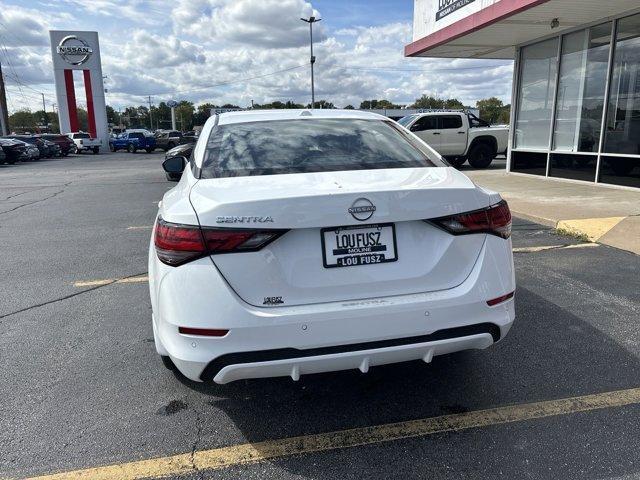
x: 107, y: 281
x: 256, y: 452
x: 553, y: 247
x: 140, y: 227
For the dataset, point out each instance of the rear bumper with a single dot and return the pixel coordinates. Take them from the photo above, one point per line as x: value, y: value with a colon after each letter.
x: 294, y: 363
x: 298, y: 340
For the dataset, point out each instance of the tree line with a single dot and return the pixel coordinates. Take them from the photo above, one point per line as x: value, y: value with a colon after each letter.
x: 189, y: 115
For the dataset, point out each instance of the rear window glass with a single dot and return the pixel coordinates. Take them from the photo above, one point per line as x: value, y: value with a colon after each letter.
x: 404, y: 121
x: 310, y: 145
x: 136, y: 135
x: 80, y: 135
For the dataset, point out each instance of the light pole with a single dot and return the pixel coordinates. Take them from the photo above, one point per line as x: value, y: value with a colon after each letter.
x: 311, y: 21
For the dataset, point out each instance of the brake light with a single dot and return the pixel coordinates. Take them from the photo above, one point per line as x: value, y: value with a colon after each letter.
x: 205, y: 332
x: 495, y: 220
x: 177, y: 244
x: 503, y: 298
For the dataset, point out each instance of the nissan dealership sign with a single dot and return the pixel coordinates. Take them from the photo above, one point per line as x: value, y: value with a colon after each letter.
x: 70, y: 52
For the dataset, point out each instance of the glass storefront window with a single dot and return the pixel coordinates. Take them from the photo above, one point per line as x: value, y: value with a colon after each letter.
x: 622, y: 134
x: 581, y: 89
x: 623, y: 118
x: 535, y: 96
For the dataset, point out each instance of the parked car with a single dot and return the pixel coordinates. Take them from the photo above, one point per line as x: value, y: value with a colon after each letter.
x: 84, y: 142
x: 14, y: 150
x: 65, y: 143
x: 459, y: 136
x: 323, y: 240
x: 167, y: 139
x: 52, y: 147
x: 179, y: 151
x: 43, y: 149
x: 132, y: 142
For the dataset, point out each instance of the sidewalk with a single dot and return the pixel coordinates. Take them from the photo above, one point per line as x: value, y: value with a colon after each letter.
x: 600, y: 214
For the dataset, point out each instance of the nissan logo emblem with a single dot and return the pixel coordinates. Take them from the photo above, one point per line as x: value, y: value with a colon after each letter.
x: 74, y: 50
x: 362, y: 209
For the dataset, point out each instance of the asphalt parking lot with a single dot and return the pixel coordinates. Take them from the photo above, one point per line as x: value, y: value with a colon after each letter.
x: 81, y: 385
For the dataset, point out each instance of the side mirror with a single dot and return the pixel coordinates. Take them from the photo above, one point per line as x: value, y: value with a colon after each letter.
x: 174, y: 166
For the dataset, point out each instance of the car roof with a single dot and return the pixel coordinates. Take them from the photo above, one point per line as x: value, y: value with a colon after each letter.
x: 291, y: 114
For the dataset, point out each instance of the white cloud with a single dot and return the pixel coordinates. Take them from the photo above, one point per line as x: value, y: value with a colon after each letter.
x: 188, y: 48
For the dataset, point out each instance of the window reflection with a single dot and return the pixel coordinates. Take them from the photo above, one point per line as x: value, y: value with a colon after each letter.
x: 623, y: 118
x: 536, y: 89
x: 581, y: 89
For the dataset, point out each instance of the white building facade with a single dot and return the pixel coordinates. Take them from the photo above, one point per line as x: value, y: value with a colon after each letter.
x: 576, y: 87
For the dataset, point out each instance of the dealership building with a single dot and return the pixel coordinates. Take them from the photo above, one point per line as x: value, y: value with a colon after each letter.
x: 576, y: 85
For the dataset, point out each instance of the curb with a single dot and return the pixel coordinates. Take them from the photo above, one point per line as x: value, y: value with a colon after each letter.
x: 592, y: 230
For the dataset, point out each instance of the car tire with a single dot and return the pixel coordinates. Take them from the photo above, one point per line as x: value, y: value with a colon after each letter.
x: 170, y: 145
x: 111, y: 147
x: 168, y: 363
x: 149, y: 150
x: 96, y: 150
x: 456, y: 162
x: 131, y: 148
x: 481, y: 155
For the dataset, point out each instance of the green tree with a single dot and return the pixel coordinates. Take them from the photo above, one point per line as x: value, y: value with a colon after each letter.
x: 453, y: 104
x: 184, y: 115
x: 322, y: 104
x: 428, y: 101
x: 22, y: 120
x: 203, y: 111
x: 491, y: 109
x: 377, y: 104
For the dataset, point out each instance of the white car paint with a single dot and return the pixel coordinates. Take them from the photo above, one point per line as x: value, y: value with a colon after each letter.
x: 431, y: 301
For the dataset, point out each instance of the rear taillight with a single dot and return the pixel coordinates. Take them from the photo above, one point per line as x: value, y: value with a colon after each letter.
x: 495, y: 220
x: 177, y: 244
x: 498, y: 300
x: 204, y: 332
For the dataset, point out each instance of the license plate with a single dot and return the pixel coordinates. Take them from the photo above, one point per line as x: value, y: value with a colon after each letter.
x: 358, y: 245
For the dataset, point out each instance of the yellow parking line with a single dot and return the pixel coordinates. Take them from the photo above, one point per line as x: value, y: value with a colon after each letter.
x: 553, y: 247
x: 255, y: 452
x: 107, y: 281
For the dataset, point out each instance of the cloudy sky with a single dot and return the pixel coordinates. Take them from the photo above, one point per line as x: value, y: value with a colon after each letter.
x: 213, y: 50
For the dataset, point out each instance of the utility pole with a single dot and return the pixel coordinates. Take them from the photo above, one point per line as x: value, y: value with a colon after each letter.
x: 150, y: 117
x: 4, y: 114
x: 311, y: 21
x: 44, y: 109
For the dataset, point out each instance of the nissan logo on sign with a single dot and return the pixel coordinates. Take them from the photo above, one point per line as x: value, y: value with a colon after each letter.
x: 74, y: 50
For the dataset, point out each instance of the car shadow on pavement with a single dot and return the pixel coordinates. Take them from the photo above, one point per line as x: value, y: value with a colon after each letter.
x: 549, y: 354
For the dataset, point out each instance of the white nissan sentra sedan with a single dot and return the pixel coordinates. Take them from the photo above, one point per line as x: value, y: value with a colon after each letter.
x: 306, y: 241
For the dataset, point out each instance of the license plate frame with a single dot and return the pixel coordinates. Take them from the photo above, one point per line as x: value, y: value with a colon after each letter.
x: 359, y: 227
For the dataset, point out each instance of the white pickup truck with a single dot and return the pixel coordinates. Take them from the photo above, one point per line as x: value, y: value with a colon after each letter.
x: 83, y: 141
x: 459, y: 136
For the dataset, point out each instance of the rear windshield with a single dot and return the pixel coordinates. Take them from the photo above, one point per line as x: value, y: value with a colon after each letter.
x: 404, y: 121
x: 80, y: 135
x: 136, y: 135
x: 310, y: 145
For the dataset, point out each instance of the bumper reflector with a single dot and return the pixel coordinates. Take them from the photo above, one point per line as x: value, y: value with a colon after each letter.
x: 503, y: 298
x: 204, y: 332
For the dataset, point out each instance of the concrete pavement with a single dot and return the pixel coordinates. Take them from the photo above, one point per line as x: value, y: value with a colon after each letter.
x: 597, y: 213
